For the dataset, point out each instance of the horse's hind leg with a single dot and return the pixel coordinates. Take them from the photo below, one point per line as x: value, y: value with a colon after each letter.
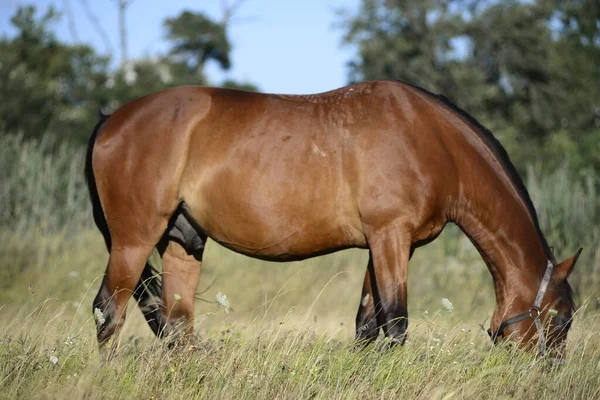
x: 130, y: 249
x: 368, y: 320
x: 181, y: 273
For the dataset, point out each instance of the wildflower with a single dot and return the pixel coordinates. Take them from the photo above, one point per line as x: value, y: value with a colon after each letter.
x: 69, y: 341
x: 222, y: 301
x: 552, y: 312
x: 447, y: 305
x: 176, y: 297
x: 98, y: 316
x: 54, y: 360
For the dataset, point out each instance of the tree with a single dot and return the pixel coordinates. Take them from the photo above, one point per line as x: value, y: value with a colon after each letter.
x: 56, y: 89
x: 45, y: 85
x: 196, y: 40
x: 528, y: 70
x: 405, y: 40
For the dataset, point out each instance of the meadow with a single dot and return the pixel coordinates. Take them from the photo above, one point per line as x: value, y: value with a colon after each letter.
x: 289, y: 330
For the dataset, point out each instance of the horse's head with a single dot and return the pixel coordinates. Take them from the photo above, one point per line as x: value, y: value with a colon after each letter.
x: 544, y: 319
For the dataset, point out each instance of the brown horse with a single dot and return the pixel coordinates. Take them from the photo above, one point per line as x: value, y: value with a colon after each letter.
x: 377, y: 165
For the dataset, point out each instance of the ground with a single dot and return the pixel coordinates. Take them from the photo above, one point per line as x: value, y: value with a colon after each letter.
x: 288, y: 333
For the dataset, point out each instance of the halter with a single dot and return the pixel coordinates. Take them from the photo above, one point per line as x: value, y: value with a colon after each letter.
x: 534, y: 313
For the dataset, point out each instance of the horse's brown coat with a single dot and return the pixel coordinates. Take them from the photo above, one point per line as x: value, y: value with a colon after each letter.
x: 378, y: 165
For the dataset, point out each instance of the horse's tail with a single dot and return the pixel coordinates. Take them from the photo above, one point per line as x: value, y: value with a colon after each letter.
x: 90, y: 179
x: 149, y: 289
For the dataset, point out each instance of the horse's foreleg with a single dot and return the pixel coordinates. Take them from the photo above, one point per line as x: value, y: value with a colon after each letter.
x: 367, y: 321
x: 180, y: 281
x: 390, y: 254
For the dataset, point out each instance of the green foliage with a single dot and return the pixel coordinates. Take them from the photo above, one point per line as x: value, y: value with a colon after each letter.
x: 41, y: 185
x: 526, y: 69
x: 46, y: 86
x: 396, y: 40
x: 197, y: 39
x: 53, y: 88
x: 568, y: 209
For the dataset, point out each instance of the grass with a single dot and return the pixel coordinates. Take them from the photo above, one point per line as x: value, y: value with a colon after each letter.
x: 289, y: 334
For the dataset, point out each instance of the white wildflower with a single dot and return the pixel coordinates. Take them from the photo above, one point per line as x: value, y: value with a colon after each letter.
x: 98, y: 316
x: 176, y: 297
x: 447, y: 304
x: 222, y: 301
x: 553, y: 312
x: 54, y: 360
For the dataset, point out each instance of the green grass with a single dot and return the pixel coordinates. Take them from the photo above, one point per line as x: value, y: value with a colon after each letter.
x: 291, y: 329
x: 289, y: 334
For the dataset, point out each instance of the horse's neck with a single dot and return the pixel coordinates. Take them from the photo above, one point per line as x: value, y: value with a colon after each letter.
x: 496, y: 219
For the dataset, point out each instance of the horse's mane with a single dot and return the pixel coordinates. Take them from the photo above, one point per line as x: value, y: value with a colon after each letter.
x: 510, y: 169
x: 504, y: 159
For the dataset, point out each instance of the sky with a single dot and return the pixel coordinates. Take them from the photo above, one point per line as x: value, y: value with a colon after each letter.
x: 283, y: 46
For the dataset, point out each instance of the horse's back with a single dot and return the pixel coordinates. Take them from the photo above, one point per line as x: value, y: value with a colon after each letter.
x: 272, y: 174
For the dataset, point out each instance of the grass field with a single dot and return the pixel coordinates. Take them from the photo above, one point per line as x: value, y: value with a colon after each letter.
x: 289, y: 334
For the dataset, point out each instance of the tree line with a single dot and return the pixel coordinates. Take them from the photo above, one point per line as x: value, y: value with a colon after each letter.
x: 527, y: 69
x: 52, y: 88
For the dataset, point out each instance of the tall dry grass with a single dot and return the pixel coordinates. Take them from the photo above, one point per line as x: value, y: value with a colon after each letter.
x: 290, y: 332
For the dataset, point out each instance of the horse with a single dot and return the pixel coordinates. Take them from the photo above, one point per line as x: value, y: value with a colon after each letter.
x: 378, y: 165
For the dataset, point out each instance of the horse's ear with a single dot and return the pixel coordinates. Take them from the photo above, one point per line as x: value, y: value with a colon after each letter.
x: 564, y: 269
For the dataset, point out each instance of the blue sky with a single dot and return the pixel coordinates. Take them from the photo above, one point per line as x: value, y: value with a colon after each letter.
x: 282, y: 46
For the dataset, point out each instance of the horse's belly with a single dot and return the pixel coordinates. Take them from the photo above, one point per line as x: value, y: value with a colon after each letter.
x: 272, y: 218
x: 283, y: 244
